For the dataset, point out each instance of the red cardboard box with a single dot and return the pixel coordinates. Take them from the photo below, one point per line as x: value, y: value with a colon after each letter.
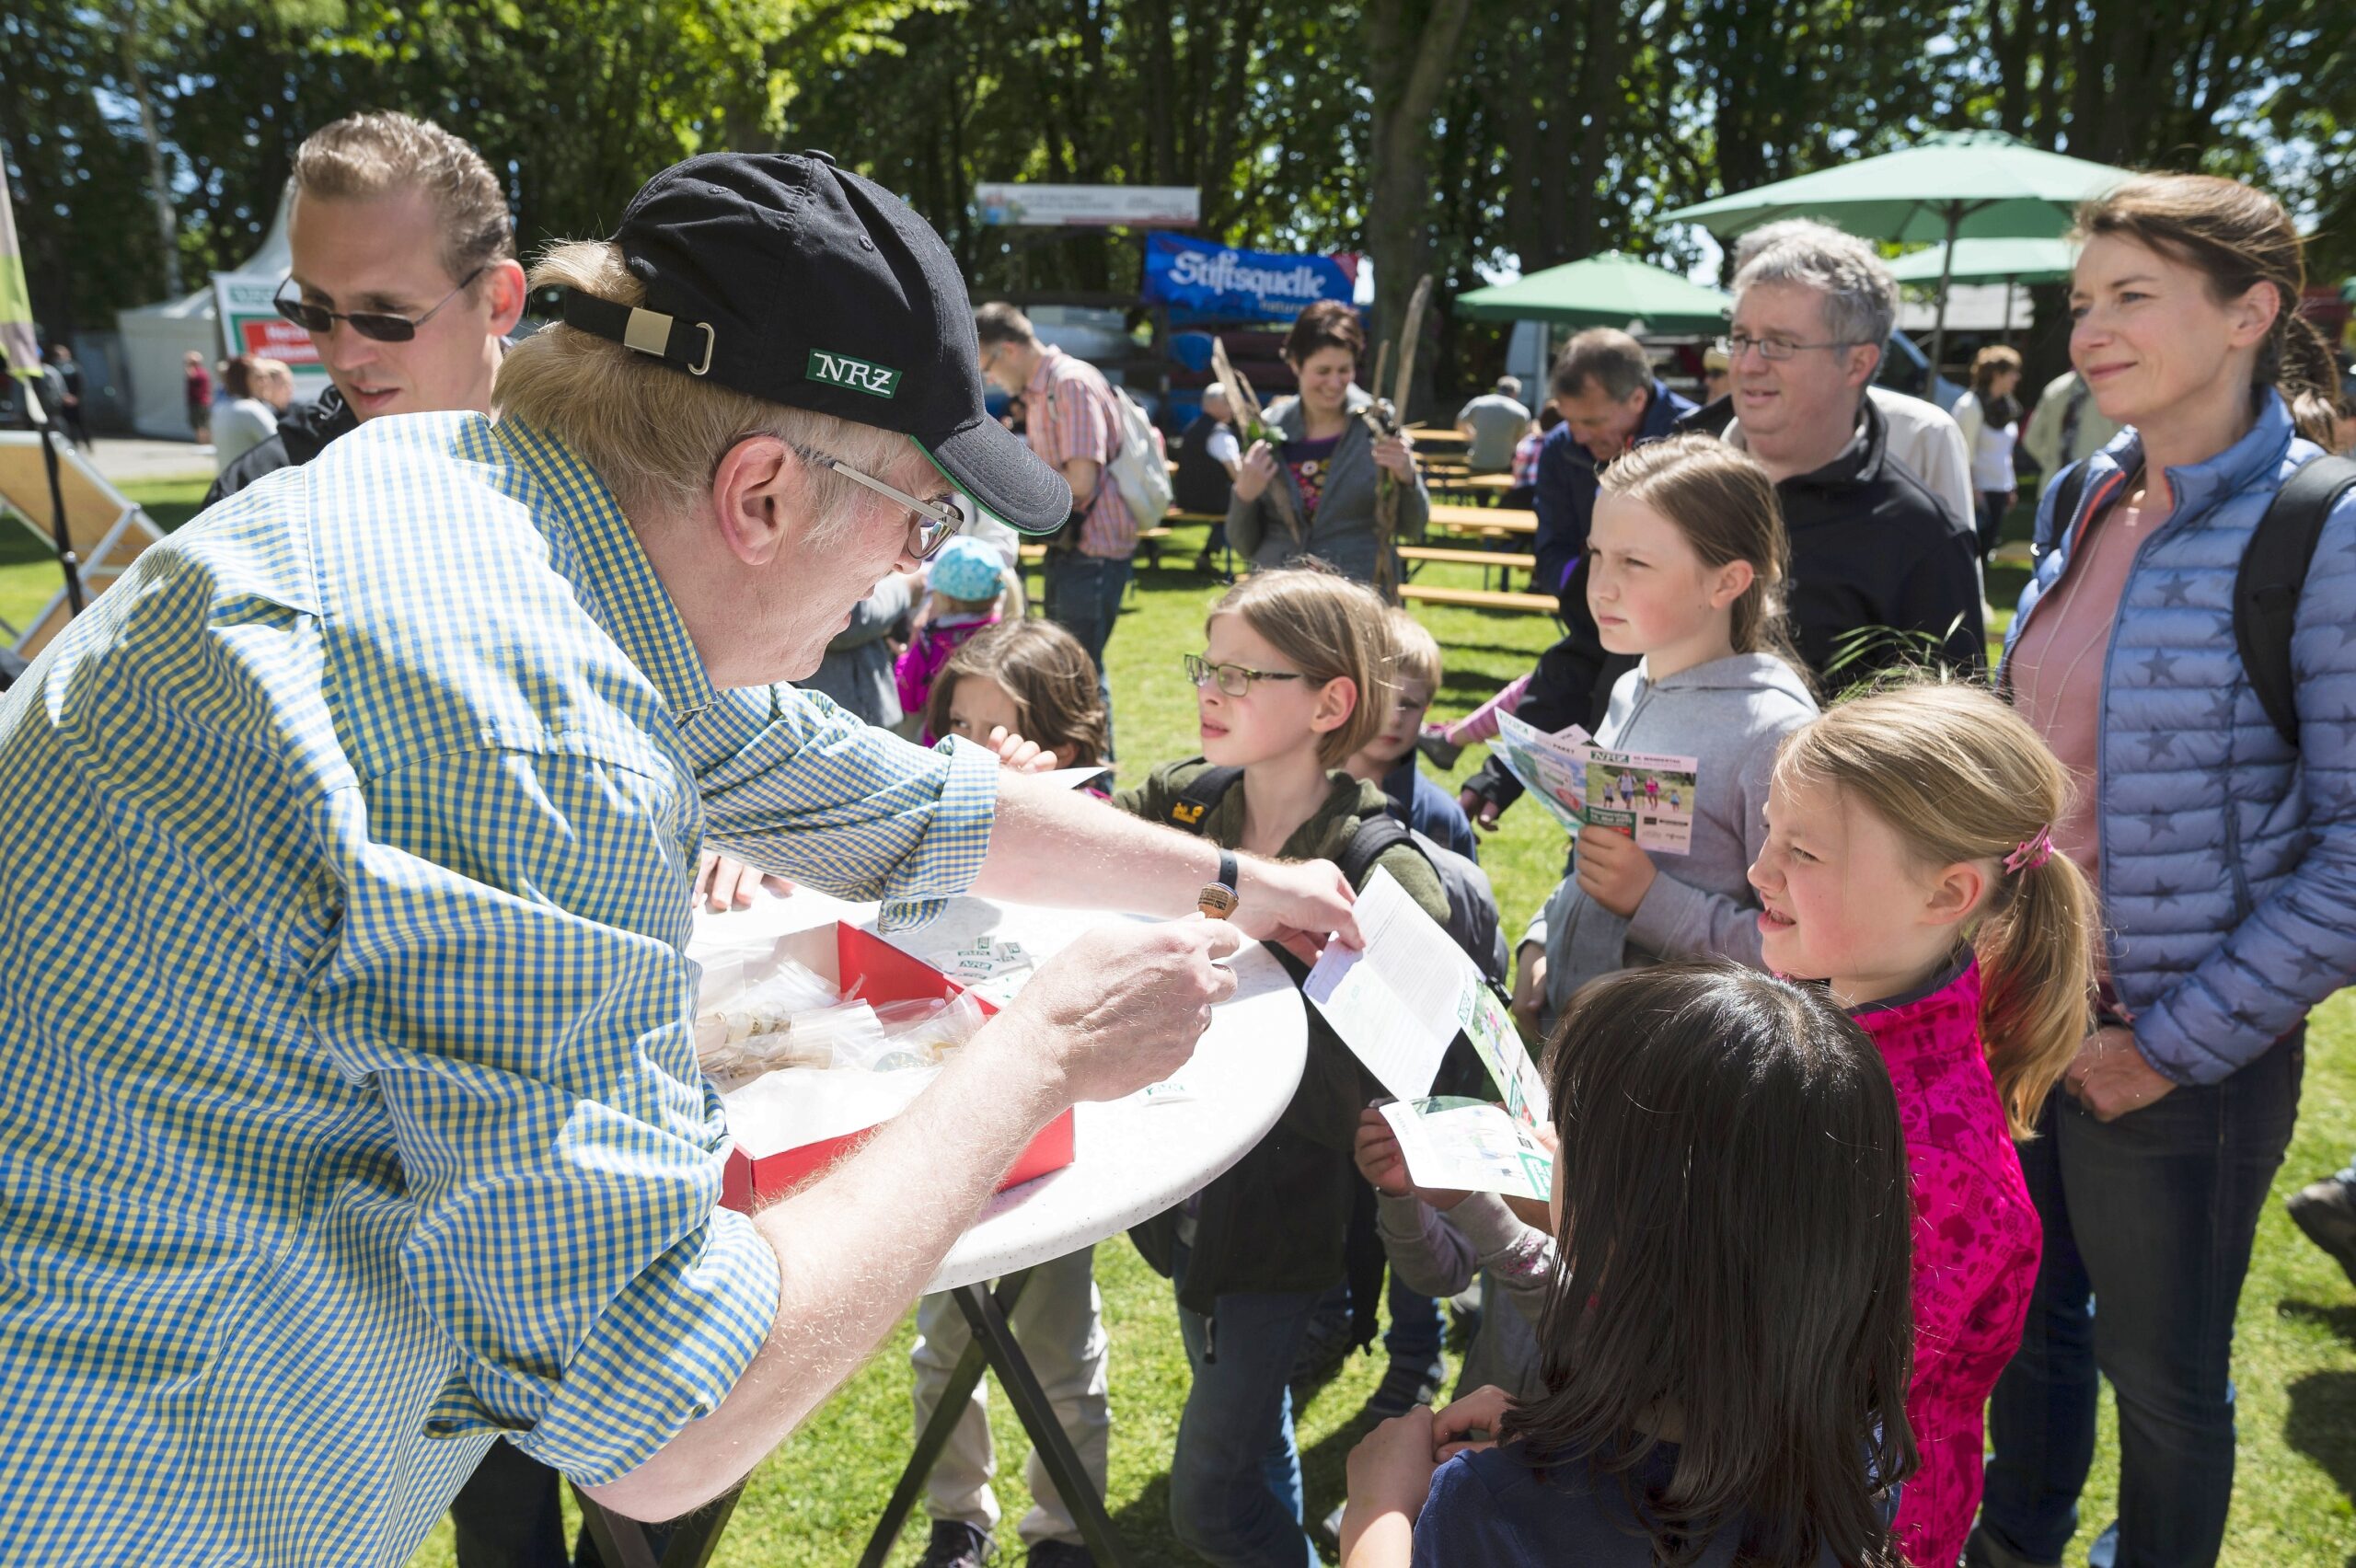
x: 851, y: 956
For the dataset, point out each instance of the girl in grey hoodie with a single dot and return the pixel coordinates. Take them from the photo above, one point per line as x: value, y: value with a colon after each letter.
x: 1688, y: 570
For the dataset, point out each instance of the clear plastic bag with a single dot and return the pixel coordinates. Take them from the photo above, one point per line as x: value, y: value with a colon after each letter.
x: 920, y: 1031
x: 756, y: 1031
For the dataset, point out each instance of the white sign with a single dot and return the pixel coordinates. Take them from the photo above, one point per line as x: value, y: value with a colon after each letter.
x: 1090, y: 206
x: 251, y: 325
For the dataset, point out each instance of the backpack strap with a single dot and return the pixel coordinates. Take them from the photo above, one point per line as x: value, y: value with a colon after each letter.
x: 1200, y: 796
x: 1376, y: 835
x: 2273, y: 574
x: 2067, y: 493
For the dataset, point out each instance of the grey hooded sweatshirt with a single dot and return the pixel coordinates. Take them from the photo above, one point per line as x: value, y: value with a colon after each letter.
x: 1730, y: 713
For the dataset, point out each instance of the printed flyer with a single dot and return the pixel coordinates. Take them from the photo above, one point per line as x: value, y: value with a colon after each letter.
x: 1650, y: 797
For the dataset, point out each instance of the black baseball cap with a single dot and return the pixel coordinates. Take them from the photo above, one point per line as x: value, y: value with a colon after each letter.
x: 782, y: 277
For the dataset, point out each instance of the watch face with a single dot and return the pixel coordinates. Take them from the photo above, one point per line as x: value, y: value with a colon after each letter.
x: 1217, y: 901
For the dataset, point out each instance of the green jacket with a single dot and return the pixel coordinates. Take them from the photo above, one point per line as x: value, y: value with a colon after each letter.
x: 1279, y: 1219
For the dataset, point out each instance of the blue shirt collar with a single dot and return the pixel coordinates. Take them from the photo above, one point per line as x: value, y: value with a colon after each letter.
x: 618, y: 584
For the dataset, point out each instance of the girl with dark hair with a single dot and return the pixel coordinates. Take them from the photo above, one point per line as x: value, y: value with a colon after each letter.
x: 1725, y: 1336
x: 1326, y: 458
x: 2222, y: 845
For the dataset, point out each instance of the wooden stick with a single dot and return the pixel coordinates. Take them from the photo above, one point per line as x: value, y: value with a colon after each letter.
x: 1386, y: 494
x: 1247, y: 403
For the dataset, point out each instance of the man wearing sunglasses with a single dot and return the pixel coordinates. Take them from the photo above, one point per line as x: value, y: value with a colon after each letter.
x: 404, y: 274
x: 373, y: 1133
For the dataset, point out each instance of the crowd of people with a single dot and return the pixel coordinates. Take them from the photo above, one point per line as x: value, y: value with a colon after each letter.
x: 1977, y: 995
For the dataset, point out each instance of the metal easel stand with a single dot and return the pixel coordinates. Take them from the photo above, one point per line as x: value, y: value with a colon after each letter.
x: 993, y: 1347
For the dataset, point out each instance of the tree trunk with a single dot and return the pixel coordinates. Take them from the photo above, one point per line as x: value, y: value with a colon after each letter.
x: 1412, y: 50
x: 160, y: 182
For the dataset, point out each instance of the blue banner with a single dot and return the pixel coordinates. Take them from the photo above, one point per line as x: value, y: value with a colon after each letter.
x: 1217, y: 280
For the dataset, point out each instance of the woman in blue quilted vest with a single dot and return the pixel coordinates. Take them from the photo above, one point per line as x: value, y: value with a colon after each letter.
x: 2224, y: 851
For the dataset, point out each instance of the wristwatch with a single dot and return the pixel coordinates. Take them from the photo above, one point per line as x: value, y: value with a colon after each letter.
x: 1217, y: 900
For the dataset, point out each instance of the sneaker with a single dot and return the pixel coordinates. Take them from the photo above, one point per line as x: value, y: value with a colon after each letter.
x: 1061, y: 1554
x: 956, y: 1544
x: 2326, y: 1210
x: 1404, y: 1387
x: 1984, y: 1550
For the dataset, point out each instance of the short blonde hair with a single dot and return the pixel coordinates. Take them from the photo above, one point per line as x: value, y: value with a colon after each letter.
x: 655, y: 434
x: 365, y: 155
x: 1331, y: 628
x: 1415, y: 651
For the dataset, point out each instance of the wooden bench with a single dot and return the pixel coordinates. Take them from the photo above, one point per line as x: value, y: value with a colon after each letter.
x: 1503, y: 563
x: 1478, y: 598
x: 1520, y: 560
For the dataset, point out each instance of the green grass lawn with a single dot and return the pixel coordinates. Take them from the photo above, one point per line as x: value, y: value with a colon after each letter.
x: 814, y: 1500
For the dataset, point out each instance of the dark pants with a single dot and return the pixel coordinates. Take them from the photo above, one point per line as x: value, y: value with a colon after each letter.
x: 1084, y: 598
x: 510, y: 1514
x: 2148, y: 1223
x: 1994, y: 504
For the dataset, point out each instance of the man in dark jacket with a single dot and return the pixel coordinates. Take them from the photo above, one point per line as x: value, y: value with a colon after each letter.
x: 404, y: 274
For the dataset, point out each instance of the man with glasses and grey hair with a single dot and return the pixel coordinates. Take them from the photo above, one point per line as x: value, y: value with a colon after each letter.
x: 1923, y: 435
x: 372, y: 1131
x: 1883, y: 568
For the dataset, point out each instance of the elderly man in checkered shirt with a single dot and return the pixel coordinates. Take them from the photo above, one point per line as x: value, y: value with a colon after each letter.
x: 365, y: 1128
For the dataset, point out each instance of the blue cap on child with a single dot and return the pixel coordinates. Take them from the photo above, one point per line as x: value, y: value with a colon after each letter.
x: 965, y: 568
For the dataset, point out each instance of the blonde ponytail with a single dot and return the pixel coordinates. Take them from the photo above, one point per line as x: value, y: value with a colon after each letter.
x: 1961, y: 777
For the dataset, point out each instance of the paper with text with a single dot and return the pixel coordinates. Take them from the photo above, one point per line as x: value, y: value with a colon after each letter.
x: 1395, y: 1002
x: 1467, y: 1146
x: 1647, y: 796
x: 1553, y: 767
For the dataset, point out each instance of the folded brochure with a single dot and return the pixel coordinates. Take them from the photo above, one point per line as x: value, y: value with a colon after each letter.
x: 1469, y: 1146
x: 1647, y: 795
x: 1397, y: 1002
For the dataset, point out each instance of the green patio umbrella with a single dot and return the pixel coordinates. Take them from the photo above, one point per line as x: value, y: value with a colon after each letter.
x: 1608, y: 290
x: 1952, y: 185
x: 2008, y: 261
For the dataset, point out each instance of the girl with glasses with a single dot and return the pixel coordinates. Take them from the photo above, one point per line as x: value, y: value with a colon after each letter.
x: 1293, y: 679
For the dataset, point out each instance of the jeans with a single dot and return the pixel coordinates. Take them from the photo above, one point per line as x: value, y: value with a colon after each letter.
x: 1083, y: 597
x: 2148, y: 1224
x: 1235, y: 1495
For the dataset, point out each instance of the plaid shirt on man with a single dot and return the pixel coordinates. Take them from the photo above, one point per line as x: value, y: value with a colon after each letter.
x: 1067, y: 413
x: 352, y: 1114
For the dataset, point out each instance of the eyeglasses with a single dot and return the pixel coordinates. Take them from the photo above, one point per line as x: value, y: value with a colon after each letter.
x: 1736, y: 344
x: 932, y: 523
x: 381, y: 326
x: 1233, y: 679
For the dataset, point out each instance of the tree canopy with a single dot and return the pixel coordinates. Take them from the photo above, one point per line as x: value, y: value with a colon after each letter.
x: 146, y: 141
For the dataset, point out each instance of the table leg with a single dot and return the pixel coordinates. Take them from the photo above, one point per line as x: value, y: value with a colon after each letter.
x: 1073, y: 1483
x: 936, y: 1433
x: 692, y: 1537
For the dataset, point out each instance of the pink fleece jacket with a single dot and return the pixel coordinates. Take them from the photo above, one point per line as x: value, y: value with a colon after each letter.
x: 1977, y: 1239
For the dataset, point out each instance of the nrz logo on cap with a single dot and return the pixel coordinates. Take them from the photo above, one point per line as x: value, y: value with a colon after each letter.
x: 841, y: 370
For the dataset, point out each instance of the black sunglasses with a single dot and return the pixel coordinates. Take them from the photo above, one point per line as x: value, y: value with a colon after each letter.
x: 379, y: 324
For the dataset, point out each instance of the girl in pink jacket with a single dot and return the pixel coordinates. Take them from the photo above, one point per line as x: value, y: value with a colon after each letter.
x: 1908, y: 864
x: 965, y: 582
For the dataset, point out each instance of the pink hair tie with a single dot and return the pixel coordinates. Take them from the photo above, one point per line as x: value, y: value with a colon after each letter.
x: 2032, y: 853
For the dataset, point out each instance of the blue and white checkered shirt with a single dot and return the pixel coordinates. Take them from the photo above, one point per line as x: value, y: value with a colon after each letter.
x: 350, y: 1112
